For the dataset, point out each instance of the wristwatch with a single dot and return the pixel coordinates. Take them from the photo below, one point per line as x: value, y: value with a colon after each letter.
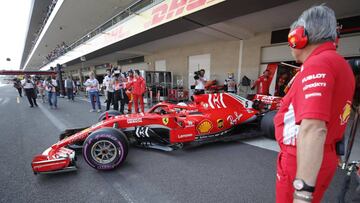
x: 300, y: 185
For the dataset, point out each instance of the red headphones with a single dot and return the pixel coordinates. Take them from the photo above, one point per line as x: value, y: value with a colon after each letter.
x: 298, y: 38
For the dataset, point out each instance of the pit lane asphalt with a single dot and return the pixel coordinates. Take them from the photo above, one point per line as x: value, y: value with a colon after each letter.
x: 222, y: 172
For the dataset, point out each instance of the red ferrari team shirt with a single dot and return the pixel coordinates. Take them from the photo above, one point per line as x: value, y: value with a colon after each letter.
x: 262, y: 84
x: 322, y: 90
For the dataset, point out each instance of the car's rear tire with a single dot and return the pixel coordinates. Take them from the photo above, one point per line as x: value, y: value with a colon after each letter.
x: 111, y: 113
x: 267, y: 124
x: 106, y: 149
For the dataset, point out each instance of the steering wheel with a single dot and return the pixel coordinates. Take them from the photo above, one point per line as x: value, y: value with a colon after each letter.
x: 163, y: 110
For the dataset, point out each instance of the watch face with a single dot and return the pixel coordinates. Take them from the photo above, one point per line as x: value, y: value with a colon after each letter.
x: 298, y: 184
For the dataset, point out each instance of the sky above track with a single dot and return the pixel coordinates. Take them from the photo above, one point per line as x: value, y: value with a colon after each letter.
x: 14, y: 22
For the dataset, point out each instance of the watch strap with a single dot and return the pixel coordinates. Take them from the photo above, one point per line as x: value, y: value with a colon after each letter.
x: 306, y: 187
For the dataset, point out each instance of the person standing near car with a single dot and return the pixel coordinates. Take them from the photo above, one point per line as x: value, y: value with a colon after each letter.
x: 119, y: 94
x: 230, y: 84
x: 262, y: 84
x: 92, y: 85
x: 41, y: 89
x: 29, y: 88
x: 109, y: 89
x: 200, y: 82
x: 314, y: 113
x: 130, y: 79
x: 138, y: 89
x: 69, y: 86
x: 18, y: 87
x: 50, y: 86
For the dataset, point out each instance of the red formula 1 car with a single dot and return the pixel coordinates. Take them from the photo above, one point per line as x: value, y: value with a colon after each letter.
x: 166, y: 126
x: 265, y: 102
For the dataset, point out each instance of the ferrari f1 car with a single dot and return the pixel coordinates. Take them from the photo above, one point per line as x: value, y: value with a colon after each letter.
x: 166, y: 126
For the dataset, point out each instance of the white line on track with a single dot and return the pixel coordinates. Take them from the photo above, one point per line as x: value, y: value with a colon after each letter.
x: 123, y: 192
x: 264, y: 143
x: 57, y: 123
x: 6, y: 100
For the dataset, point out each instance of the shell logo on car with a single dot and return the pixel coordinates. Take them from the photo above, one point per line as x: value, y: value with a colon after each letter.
x: 204, y: 126
x: 344, y: 117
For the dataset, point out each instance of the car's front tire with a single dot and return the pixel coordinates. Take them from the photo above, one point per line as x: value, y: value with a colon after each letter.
x: 106, y: 149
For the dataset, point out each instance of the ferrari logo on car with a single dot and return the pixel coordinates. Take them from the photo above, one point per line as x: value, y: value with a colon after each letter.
x: 344, y: 117
x: 220, y: 123
x: 165, y: 121
x: 204, y: 127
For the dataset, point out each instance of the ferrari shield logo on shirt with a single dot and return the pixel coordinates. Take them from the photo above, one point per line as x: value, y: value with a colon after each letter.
x: 165, y: 121
x: 344, y: 117
x: 220, y: 123
x: 204, y: 126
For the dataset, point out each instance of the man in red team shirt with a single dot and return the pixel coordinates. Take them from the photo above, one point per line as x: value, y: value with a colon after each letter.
x: 129, y: 90
x: 314, y: 113
x: 262, y: 84
x: 138, y: 89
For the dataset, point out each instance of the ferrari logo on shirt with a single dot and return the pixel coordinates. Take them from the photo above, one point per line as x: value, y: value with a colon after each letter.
x: 344, y: 117
x: 165, y: 121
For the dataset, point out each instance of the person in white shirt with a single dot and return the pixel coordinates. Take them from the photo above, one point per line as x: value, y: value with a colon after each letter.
x: 29, y: 88
x: 50, y: 86
x: 230, y: 83
x: 92, y: 85
x: 200, y: 82
x: 41, y: 89
x: 109, y: 89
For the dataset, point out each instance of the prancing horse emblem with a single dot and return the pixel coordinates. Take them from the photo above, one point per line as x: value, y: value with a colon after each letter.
x: 165, y: 121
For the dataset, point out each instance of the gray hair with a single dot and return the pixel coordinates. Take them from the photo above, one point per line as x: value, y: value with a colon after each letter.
x: 319, y: 22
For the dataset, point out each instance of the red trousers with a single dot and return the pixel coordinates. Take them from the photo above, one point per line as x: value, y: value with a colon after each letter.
x: 286, y: 172
x: 136, y: 99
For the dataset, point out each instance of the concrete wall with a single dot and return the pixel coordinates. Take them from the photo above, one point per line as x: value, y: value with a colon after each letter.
x: 224, y: 59
x: 251, y: 55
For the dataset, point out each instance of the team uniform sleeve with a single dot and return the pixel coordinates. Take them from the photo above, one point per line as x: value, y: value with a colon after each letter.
x: 315, y: 93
